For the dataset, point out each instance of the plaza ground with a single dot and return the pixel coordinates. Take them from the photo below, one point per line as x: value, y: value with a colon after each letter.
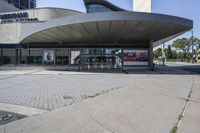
x: 88, y: 102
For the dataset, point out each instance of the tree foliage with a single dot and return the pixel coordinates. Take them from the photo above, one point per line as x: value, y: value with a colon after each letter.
x: 183, y: 45
x: 196, y: 42
x: 180, y: 49
x: 157, y: 53
x: 168, y: 52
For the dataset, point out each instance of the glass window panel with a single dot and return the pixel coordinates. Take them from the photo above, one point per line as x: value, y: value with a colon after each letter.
x: 23, y: 55
x: 9, y: 56
x: 97, y: 8
x: 62, y: 57
x: 75, y: 57
x: 86, y: 51
x: 35, y: 56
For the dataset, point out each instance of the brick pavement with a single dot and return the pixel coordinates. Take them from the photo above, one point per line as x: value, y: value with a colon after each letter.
x: 54, y: 91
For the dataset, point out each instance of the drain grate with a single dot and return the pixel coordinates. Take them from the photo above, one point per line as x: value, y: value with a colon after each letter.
x: 6, y: 117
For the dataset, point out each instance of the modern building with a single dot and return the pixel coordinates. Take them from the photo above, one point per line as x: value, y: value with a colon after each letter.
x: 24, y: 4
x: 106, y: 37
x: 16, y: 5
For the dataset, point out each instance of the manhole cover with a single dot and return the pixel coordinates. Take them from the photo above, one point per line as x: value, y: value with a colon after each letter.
x: 6, y: 117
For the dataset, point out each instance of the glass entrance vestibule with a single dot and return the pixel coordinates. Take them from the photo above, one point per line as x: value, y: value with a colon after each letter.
x: 101, y: 58
x: 83, y: 58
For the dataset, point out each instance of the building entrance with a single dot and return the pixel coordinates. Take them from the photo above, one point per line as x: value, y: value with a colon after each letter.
x: 101, y: 58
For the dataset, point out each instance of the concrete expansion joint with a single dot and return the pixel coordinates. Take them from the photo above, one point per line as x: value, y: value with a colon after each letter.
x: 93, y: 119
x: 92, y: 96
x: 180, y: 117
x: 195, y: 101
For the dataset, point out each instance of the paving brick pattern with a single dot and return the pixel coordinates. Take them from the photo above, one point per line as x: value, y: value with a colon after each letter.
x: 54, y: 91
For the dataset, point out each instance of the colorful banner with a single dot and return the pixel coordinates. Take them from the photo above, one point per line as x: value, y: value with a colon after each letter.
x: 135, y: 57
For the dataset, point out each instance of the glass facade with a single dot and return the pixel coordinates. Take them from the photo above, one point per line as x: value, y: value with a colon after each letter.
x: 88, y: 58
x: 35, y: 56
x: 85, y: 58
x: 92, y: 8
x: 101, y: 58
x: 62, y: 57
x: 9, y: 56
x: 24, y: 4
x: 21, y: 56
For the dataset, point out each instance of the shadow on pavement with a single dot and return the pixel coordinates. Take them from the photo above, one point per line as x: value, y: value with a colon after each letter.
x: 172, y: 70
x: 181, y: 69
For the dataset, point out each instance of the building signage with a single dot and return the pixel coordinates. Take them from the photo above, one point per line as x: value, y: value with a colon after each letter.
x: 16, y: 17
x: 135, y: 57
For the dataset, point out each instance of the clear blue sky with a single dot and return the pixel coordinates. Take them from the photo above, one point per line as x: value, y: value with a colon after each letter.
x: 183, y: 8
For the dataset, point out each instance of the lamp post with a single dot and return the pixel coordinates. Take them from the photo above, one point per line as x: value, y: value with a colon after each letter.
x: 192, y: 46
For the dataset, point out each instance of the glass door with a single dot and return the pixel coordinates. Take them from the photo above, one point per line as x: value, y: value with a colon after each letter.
x: 62, y: 57
x: 101, y: 58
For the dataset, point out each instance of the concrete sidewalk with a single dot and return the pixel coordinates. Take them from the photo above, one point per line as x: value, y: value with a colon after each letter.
x: 151, y: 104
x: 191, y: 120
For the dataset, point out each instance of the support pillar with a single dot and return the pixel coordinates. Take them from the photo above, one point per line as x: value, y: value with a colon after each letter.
x: 29, y: 54
x: 151, y: 65
x: 16, y: 56
x: 1, y: 60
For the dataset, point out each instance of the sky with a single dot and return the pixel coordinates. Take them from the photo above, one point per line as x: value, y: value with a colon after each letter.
x: 182, y: 8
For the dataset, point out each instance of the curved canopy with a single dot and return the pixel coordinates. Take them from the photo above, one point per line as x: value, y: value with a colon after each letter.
x: 107, y: 28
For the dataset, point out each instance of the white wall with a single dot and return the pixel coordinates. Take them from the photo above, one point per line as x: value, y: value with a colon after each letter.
x: 142, y: 5
x: 11, y: 32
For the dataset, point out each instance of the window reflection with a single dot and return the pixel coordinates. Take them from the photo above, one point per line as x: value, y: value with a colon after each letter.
x: 97, y: 8
x: 101, y: 58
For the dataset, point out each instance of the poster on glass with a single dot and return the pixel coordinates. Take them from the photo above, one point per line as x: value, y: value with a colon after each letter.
x: 49, y: 57
x: 135, y: 57
x: 75, y: 57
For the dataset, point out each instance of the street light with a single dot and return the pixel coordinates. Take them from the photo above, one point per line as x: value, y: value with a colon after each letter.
x: 192, y: 46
